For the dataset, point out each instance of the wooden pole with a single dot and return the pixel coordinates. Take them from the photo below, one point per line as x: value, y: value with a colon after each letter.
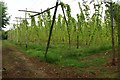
x: 51, y: 28
x: 64, y: 15
x: 26, y: 29
x: 112, y: 34
x: 21, y: 18
x: 28, y: 11
x: 66, y: 24
x: 17, y: 31
x: 46, y: 10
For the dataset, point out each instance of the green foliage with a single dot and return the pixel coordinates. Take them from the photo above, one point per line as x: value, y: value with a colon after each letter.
x: 4, y: 35
x: 71, y: 53
x: 116, y: 8
x: 4, y: 18
x: 90, y: 34
x: 81, y: 32
x: 66, y: 57
x: 82, y: 64
x: 53, y: 58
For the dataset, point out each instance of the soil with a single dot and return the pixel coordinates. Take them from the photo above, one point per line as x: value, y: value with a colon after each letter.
x: 18, y: 65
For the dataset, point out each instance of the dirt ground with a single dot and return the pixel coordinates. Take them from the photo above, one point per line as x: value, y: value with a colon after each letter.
x: 18, y: 65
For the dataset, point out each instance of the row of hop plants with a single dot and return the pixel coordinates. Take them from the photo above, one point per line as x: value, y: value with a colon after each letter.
x: 83, y: 32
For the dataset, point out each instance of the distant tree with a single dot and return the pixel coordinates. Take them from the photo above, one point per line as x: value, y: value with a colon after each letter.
x: 4, y: 18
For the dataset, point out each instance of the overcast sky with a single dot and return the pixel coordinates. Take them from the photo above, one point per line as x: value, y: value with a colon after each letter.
x: 36, y: 5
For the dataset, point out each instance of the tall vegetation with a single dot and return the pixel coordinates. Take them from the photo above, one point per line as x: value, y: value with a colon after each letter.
x: 116, y: 9
x: 83, y: 32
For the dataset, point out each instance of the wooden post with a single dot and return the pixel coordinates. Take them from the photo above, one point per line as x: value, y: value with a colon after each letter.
x: 66, y: 24
x: 20, y: 34
x: 112, y: 34
x: 51, y: 28
x: 26, y: 30
x: 44, y: 10
x: 17, y: 31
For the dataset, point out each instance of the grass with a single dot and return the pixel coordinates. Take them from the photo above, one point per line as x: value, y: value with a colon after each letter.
x: 82, y: 64
x: 95, y: 50
x: 85, y: 60
x: 63, y: 56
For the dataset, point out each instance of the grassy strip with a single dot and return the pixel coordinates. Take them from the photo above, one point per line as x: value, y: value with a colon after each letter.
x: 64, y: 56
x: 83, y: 64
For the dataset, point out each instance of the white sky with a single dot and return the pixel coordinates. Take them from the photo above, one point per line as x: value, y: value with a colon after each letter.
x: 36, y: 5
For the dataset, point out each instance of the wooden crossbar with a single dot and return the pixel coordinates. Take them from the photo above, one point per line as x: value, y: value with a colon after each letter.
x: 45, y: 11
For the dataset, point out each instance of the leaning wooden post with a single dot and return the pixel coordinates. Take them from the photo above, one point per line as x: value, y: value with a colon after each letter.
x: 51, y: 28
x: 62, y: 6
